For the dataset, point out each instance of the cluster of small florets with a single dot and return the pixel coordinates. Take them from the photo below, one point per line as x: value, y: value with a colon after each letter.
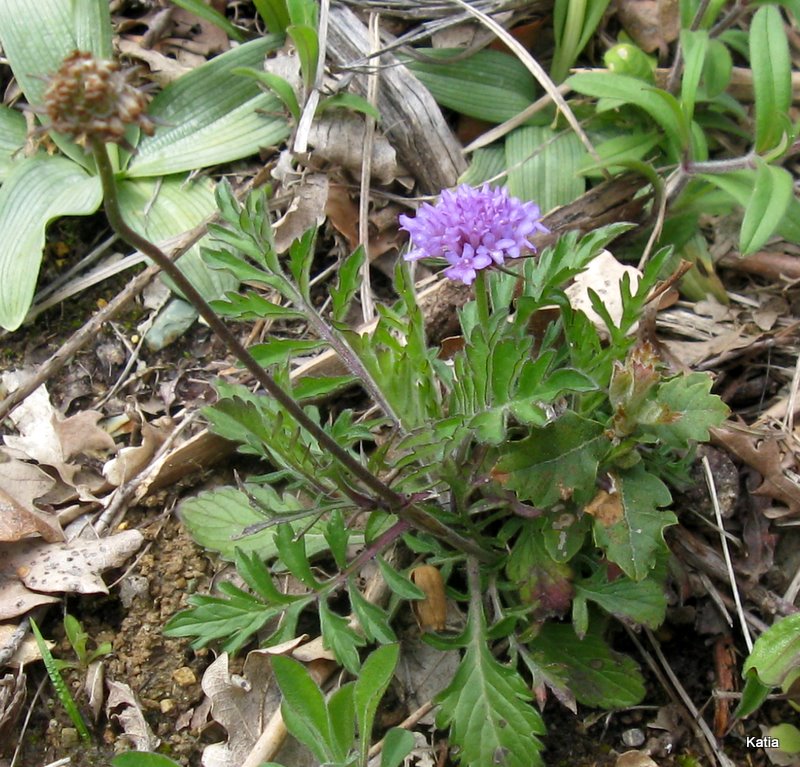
x: 472, y: 229
x: 90, y: 99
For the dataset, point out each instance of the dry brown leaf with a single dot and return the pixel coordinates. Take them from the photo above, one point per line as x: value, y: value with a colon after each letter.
x: 130, y: 717
x: 131, y: 460
x: 12, y: 701
x: 93, y: 687
x: 18, y: 522
x: 306, y: 211
x: 25, y: 482
x: 241, y: 704
x: 338, y: 139
x: 343, y: 214
x: 653, y: 24
x: 28, y: 650
x: 68, y: 567
x: 762, y: 453
x: 163, y: 69
x: 15, y: 599
x: 48, y: 438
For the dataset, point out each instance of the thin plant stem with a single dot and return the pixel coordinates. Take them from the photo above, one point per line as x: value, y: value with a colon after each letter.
x: 392, y: 501
x: 482, y: 300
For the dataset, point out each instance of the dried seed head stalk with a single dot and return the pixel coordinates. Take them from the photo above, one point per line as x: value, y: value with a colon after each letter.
x: 91, y: 100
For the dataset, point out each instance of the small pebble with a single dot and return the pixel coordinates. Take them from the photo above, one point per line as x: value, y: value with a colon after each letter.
x: 133, y: 586
x: 167, y: 705
x: 633, y: 737
x: 184, y: 676
x: 69, y: 737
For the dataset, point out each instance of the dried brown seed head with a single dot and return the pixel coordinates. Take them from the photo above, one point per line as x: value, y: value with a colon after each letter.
x: 90, y: 99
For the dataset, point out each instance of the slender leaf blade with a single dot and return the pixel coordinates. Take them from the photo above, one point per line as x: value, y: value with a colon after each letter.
x: 772, y: 75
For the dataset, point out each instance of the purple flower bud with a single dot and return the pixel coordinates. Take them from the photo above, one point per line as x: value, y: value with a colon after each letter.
x: 472, y: 229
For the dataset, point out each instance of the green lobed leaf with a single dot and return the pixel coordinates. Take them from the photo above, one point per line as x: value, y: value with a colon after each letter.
x: 293, y: 554
x: 249, y: 305
x: 279, y: 350
x: 36, y: 191
x: 631, y: 532
x: 773, y: 190
x: 210, y: 116
x: 347, y: 283
x: 555, y: 463
x: 642, y: 602
x: 256, y: 575
x: 596, y: 675
x: 230, y: 621
x: 489, y: 85
x: 772, y: 73
x: 543, y: 166
x: 373, y: 619
x: 690, y: 410
x: 488, y: 708
x: 398, y: 583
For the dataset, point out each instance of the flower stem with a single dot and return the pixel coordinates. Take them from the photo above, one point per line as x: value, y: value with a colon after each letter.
x: 482, y: 299
x: 393, y: 501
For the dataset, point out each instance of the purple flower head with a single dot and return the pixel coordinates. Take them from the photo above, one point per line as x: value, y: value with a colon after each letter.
x: 472, y: 229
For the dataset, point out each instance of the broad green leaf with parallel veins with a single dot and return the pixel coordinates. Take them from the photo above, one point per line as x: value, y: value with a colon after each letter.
x: 543, y: 166
x: 490, y: 85
x: 36, y: 191
x: 162, y: 209
x: 12, y: 138
x: 211, y: 116
x: 630, y: 526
